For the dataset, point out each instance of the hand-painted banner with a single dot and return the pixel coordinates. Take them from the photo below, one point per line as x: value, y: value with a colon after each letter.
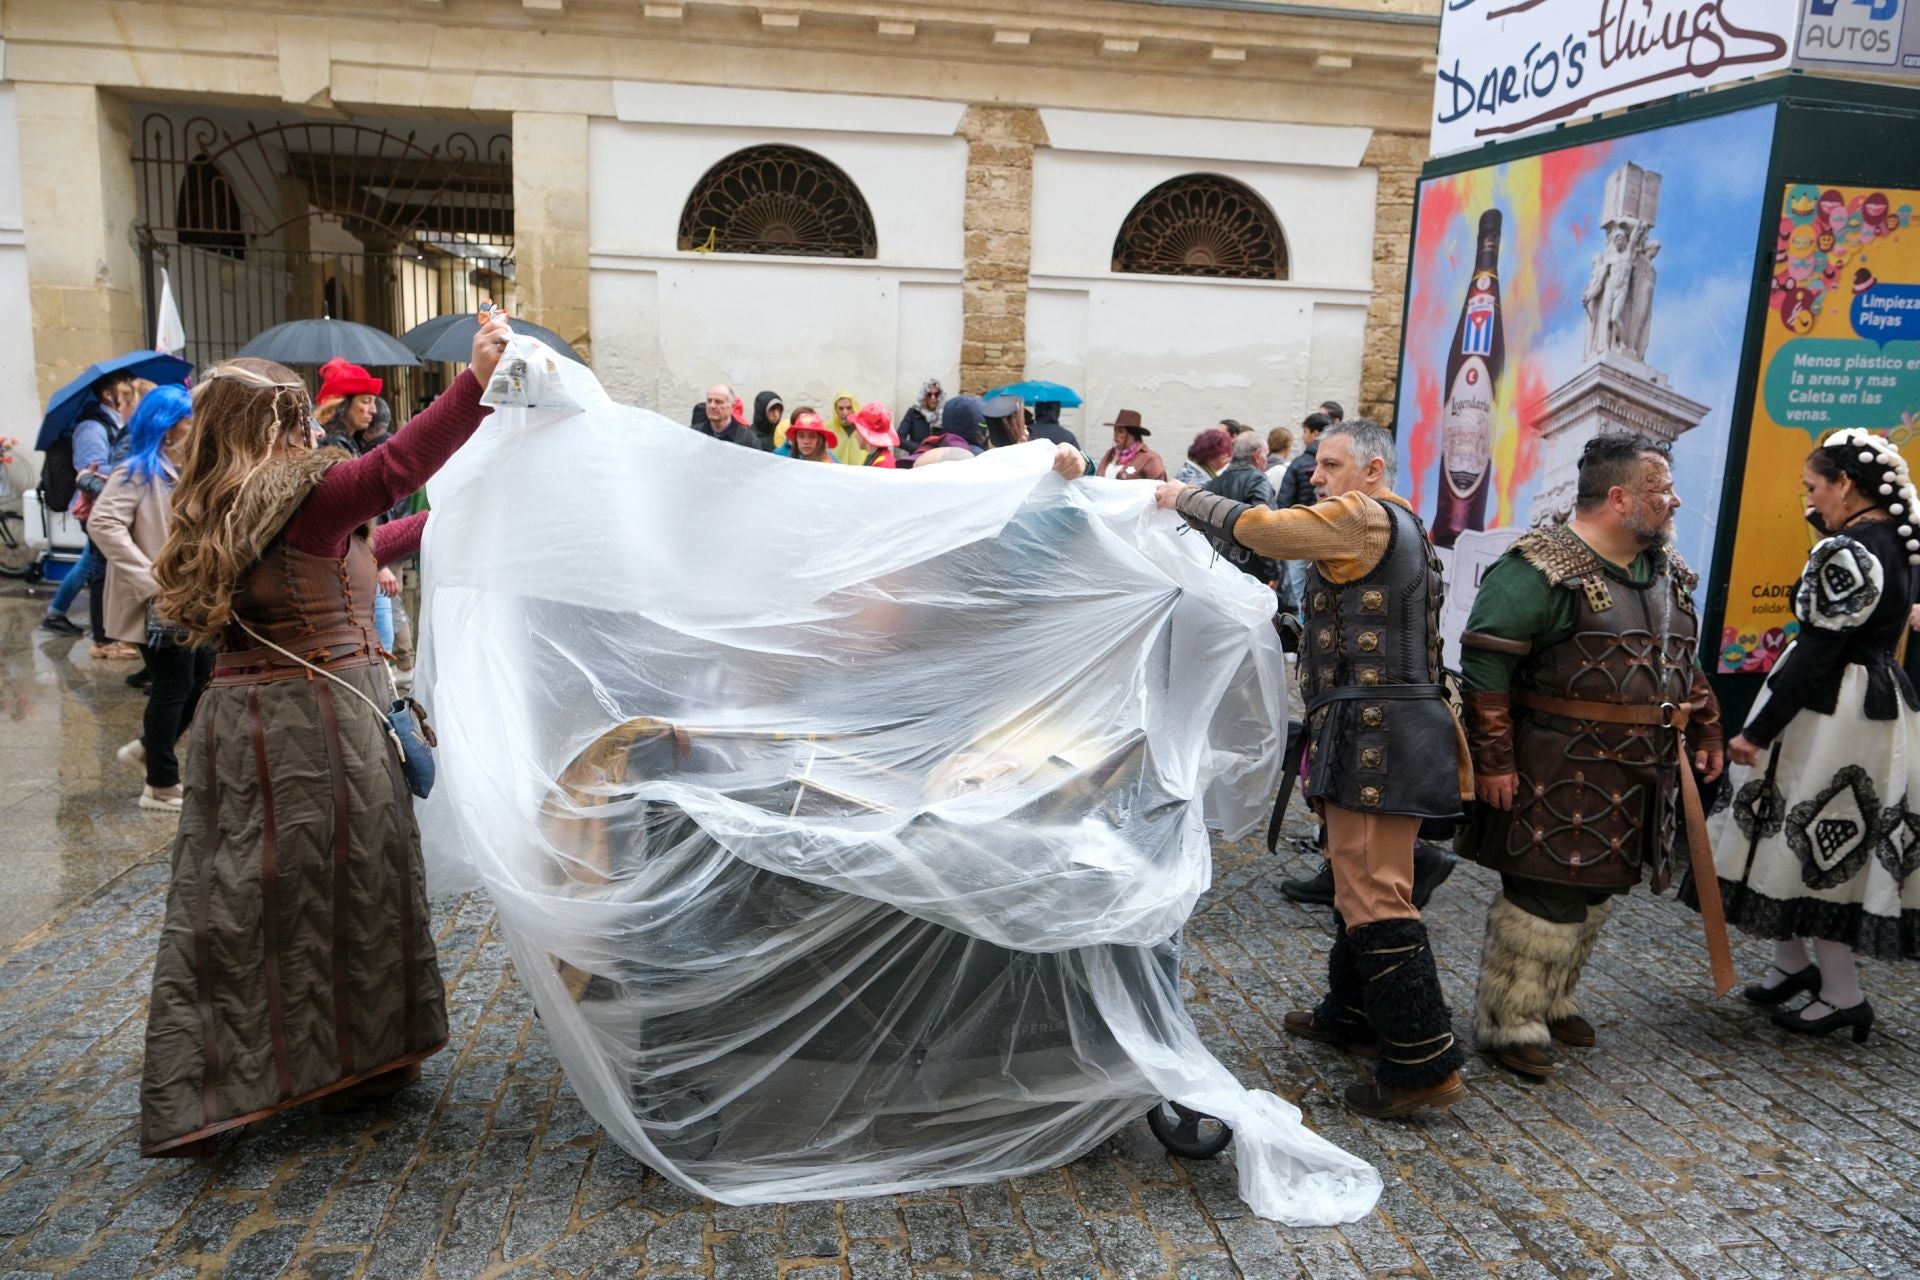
x: 1842, y: 349
x: 1510, y: 67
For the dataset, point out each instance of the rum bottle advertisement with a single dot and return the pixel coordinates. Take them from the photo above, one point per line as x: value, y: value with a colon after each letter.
x: 1600, y: 287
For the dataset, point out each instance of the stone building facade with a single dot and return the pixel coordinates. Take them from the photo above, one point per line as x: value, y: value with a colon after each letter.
x: 1001, y: 150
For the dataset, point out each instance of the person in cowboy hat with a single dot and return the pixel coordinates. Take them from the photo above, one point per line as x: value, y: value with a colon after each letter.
x: 810, y: 439
x: 1130, y: 458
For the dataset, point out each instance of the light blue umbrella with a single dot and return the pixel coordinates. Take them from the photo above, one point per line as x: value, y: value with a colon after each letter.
x: 1034, y: 391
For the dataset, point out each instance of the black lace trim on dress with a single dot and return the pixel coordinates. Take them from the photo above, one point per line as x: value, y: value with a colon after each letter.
x: 1880, y: 937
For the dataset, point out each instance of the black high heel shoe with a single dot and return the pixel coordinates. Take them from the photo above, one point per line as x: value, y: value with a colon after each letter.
x: 1858, y: 1016
x: 1808, y: 980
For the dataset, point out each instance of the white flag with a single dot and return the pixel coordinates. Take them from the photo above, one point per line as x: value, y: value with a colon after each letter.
x: 169, y: 334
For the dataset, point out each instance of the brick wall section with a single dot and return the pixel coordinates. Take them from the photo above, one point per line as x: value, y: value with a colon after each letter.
x: 1397, y: 158
x: 998, y: 224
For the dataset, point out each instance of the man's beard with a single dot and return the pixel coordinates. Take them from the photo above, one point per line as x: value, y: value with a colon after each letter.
x: 1650, y: 533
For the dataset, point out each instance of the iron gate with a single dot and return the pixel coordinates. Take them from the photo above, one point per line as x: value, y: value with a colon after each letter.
x: 273, y: 222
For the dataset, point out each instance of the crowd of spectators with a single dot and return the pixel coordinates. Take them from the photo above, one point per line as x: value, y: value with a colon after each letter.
x: 1229, y: 458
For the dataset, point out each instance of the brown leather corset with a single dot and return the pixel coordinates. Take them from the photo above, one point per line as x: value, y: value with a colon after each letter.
x: 313, y: 606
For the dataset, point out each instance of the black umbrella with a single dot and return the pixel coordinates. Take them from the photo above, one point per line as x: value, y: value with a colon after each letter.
x: 318, y: 341
x: 450, y: 338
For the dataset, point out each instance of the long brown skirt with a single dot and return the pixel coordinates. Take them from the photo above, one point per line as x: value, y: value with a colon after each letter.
x: 297, y: 956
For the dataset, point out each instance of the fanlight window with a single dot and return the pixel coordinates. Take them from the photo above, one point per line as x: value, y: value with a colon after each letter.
x: 776, y: 199
x: 207, y: 211
x: 1201, y: 224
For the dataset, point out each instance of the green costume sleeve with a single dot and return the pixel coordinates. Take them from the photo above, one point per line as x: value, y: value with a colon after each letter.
x: 1515, y: 604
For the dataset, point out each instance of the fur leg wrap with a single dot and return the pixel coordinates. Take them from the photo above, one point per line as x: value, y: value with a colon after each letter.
x: 1563, y: 1005
x: 1400, y: 990
x: 1524, y: 965
x: 1343, y: 1009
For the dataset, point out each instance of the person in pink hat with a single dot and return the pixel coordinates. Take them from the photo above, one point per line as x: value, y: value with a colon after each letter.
x: 874, y: 426
x: 811, y: 440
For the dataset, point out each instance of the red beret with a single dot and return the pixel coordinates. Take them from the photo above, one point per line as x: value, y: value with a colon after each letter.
x: 338, y: 378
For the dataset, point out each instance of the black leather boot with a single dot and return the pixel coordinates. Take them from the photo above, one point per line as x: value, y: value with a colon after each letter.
x: 1316, y: 890
x: 1431, y: 867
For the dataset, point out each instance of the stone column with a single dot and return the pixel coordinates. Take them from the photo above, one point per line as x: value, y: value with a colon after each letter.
x: 550, y: 222
x: 78, y: 204
x: 998, y: 224
x: 1396, y: 157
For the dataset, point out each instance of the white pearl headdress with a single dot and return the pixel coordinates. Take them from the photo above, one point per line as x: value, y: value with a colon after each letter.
x: 1895, y: 480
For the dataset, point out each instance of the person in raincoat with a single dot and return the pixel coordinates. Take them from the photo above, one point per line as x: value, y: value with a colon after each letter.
x: 840, y: 420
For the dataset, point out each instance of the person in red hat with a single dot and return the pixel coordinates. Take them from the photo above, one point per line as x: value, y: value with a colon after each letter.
x: 812, y: 440
x: 346, y: 407
x: 874, y: 426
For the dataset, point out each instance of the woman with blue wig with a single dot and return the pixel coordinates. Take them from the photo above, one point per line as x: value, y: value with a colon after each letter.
x: 129, y: 525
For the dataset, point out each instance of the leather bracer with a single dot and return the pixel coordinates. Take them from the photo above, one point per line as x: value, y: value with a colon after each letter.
x: 1705, y: 732
x: 1210, y: 513
x: 1490, y: 732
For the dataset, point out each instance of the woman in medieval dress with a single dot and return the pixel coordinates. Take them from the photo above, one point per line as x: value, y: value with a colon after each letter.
x: 1818, y: 849
x: 297, y: 960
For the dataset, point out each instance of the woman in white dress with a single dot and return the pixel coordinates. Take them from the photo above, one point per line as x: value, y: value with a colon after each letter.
x: 1819, y: 847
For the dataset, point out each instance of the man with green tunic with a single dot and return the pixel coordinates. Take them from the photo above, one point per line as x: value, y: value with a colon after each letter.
x: 1579, y: 662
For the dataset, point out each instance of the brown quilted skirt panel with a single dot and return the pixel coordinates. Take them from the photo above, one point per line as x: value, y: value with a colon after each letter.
x: 297, y: 955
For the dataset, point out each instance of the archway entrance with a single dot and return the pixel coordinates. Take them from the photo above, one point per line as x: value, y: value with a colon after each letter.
x: 258, y: 222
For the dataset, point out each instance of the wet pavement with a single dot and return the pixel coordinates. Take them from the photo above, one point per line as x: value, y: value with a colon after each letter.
x: 69, y: 818
x: 1693, y: 1141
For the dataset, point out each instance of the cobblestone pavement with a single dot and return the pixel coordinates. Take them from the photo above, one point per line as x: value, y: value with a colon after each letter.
x: 1695, y: 1140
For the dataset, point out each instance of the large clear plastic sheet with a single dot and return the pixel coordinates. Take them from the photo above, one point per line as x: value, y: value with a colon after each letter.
x: 843, y: 823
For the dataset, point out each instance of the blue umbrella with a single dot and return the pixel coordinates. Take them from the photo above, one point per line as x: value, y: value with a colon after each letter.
x: 1033, y: 392
x: 64, y: 409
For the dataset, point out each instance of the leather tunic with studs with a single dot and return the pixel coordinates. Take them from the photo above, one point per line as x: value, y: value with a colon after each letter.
x: 1384, y: 737
x: 1596, y: 805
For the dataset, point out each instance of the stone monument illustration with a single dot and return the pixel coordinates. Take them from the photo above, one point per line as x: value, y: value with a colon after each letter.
x: 1614, y: 389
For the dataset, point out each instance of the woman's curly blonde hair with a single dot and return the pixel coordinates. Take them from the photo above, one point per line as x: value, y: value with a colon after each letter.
x: 245, y: 412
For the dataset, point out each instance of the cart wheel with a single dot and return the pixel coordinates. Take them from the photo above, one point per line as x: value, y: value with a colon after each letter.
x: 1187, y: 1132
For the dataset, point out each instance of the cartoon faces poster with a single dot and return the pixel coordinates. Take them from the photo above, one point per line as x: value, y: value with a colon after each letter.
x: 1841, y: 349
x: 1635, y: 253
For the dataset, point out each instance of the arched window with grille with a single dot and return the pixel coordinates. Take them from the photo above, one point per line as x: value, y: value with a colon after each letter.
x: 1201, y: 224
x: 207, y: 211
x: 778, y: 199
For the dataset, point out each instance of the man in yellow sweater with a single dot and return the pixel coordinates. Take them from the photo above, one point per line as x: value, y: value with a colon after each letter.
x: 1385, y: 753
